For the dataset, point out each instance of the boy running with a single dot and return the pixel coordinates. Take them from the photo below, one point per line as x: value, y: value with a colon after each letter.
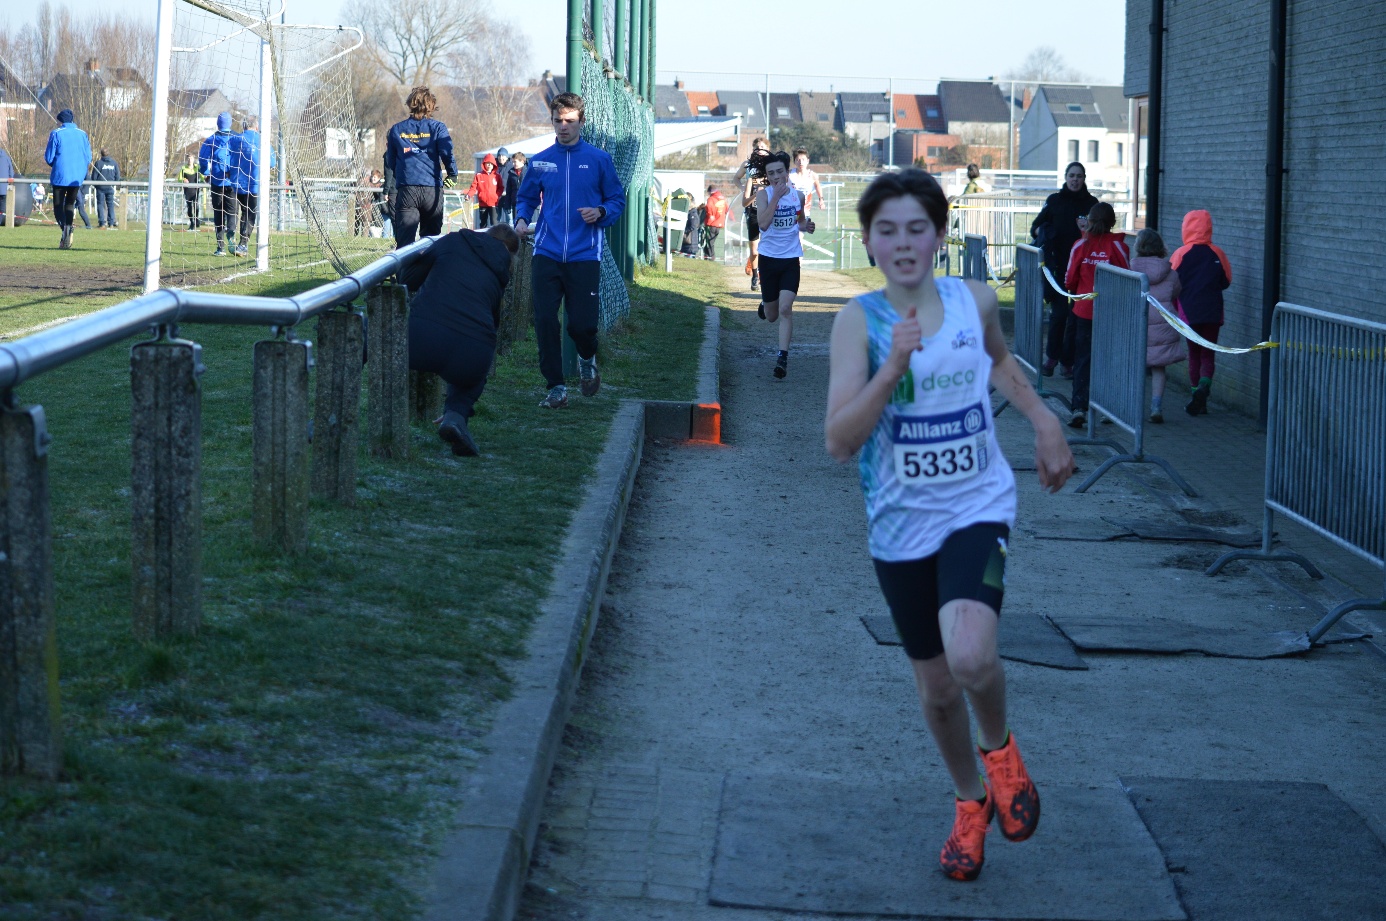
x: 909, y: 368
x: 780, y: 212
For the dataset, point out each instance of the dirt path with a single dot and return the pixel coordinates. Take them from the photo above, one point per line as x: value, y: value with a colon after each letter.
x: 731, y: 645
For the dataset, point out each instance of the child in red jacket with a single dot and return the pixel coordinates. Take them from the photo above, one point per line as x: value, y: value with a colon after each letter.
x: 1098, y: 245
x: 1204, y: 273
x: 486, y: 187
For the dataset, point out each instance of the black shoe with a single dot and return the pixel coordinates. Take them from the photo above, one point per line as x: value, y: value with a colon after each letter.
x: 1078, y: 420
x: 1198, y: 403
x: 760, y: 310
x: 781, y: 365
x: 755, y: 279
x: 591, y: 377
x: 453, y: 430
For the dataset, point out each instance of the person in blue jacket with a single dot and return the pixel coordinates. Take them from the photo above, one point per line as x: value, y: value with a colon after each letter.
x: 245, y: 176
x: 69, y: 154
x: 418, y: 151
x: 581, y: 196
x: 215, y: 162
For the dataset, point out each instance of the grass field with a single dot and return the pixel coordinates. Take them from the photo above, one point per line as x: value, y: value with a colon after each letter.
x: 300, y: 758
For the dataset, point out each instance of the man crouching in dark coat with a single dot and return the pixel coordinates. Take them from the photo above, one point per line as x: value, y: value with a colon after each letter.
x: 456, y: 289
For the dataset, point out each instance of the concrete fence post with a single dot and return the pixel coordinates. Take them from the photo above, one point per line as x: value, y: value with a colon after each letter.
x: 30, y: 725
x: 9, y: 202
x: 425, y: 396
x: 280, y: 444
x: 337, y: 405
x: 387, y: 370
x: 166, y: 487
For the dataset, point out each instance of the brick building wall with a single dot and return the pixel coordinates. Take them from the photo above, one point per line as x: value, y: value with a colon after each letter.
x: 1214, y: 152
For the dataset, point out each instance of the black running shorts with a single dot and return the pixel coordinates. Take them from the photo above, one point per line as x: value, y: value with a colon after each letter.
x: 777, y: 276
x: 971, y: 565
x: 752, y: 225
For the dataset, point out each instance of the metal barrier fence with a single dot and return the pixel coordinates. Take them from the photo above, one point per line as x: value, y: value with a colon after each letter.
x: 166, y: 519
x: 974, y: 258
x: 1326, y: 441
x: 1028, y: 346
x: 1117, y: 384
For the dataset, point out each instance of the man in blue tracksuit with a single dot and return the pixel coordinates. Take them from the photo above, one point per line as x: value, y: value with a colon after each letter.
x: 245, y: 176
x: 581, y: 196
x: 105, y: 170
x: 214, y: 161
x: 69, y: 154
x: 418, y: 151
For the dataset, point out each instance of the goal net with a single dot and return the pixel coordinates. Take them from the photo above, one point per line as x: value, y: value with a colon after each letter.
x: 282, y: 188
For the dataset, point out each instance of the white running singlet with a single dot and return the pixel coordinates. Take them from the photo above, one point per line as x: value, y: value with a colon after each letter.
x: 781, y: 241
x: 932, y: 466
x: 804, y: 183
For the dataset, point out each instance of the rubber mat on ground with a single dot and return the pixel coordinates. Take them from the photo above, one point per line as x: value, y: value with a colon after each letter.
x: 814, y: 845
x: 1109, y: 529
x: 1258, y: 851
x: 1024, y: 637
x: 1097, y: 633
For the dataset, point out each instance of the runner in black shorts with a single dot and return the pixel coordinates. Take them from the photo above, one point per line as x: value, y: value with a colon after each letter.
x: 780, y: 213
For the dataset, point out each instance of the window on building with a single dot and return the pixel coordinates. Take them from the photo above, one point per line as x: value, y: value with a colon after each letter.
x: 822, y: 116
x: 781, y: 111
x: 899, y: 113
x: 1072, y: 151
x: 727, y: 148
x: 1092, y: 151
x: 933, y: 151
x: 986, y: 161
x: 878, y: 116
x: 932, y: 113
x: 672, y: 110
x: 1120, y: 154
x: 704, y: 110
x: 1073, y: 107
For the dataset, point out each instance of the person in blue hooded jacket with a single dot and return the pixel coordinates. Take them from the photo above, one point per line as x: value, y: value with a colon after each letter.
x: 215, y: 162
x: 418, y: 151
x: 582, y: 195
x: 69, y: 154
x: 245, y: 176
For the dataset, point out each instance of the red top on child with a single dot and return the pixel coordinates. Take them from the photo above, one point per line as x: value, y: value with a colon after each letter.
x: 1089, y: 252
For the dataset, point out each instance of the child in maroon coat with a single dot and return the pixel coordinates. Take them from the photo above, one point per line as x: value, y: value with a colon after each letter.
x: 1204, y: 273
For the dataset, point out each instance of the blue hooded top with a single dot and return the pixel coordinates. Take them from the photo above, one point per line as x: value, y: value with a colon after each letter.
x: 68, y: 153
x: 566, y: 179
x: 214, y: 157
x: 245, y: 161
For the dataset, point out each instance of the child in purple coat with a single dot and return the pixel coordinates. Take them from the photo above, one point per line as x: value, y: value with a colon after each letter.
x: 1163, y: 344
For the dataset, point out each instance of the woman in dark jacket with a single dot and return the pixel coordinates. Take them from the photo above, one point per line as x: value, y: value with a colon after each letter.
x: 1055, y: 231
x: 456, y: 289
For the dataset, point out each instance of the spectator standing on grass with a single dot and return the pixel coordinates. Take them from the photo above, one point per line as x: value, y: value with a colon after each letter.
x: 69, y: 155
x: 105, y: 170
x: 418, y: 165
x: 1163, y: 344
x: 1055, y: 230
x: 486, y: 189
x: 454, y: 310
x: 716, y: 219
x: 505, y: 208
x: 6, y: 174
x: 512, y: 176
x: 581, y: 196
x: 1097, y: 246
x: 1204, y: 273
x: 191, y: 177
x: 245, y: 151
x: 214, y: 160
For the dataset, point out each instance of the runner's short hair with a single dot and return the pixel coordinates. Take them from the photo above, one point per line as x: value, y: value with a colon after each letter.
x: 568, y: 102
x: 910, y: 182
x: 801, y: 150
x: 778, y: 156
x: 506, y: 235
x: 421, y: 102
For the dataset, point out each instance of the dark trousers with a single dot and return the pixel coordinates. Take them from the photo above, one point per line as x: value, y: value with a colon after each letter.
x: 485, y: 216
x: 224, y: 211
x: 105, y: 206
x: 418, y: 210
x: 1082, y: 361
x: 250, y: 212
x: 1202, y: 360
x: 82, y: 209
x: 190, y: 204
x: 64, y: 200
x: 1060, y: 342
x: 461, y: 361
x: 710, y: 241
x: 576, y: 286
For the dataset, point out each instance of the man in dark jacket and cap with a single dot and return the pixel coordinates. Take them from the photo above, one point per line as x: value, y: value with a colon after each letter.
x: 456, y: 289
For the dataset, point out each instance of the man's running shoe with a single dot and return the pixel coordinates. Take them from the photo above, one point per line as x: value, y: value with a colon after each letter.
x: 962, y: 856
x: 781, y: 365
x: 242, y: 250
x: 755, y: 280
x: 591, y: 378
x: 453, y: 430
x: 557, y: 398
x: 1017, y: 800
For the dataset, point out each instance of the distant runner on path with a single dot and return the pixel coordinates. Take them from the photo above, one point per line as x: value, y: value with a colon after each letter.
x: 908, y: 373
x: 780, y: 211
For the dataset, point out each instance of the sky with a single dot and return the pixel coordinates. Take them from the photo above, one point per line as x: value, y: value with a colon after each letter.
x: 903, y: 40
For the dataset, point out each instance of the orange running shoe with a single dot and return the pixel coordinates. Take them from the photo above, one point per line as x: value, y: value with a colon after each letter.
x: 1017, y: 800
x: 962, y: 856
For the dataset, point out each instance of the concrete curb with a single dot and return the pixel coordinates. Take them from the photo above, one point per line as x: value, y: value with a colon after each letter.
x: 700, y: 420
x: 481, y: 870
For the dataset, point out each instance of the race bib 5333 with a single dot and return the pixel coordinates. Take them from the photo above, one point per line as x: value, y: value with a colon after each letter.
x: 941, y: 448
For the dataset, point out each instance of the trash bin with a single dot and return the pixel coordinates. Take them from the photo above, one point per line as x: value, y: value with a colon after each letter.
x: 676, y: 214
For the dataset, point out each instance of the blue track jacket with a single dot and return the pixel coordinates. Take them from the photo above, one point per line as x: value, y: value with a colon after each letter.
x: 245, y: 161
x: 69, y: 153
x: 566, y: 179
x: 214, y: 159
x: 418, y: 151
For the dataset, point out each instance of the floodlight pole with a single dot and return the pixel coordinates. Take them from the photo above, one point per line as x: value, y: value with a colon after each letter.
x: 575, y: 46
x: 158, y: 141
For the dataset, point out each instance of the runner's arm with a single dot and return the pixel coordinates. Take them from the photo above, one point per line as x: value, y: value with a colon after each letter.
x: 1053, y: 459
x: 856, y: 398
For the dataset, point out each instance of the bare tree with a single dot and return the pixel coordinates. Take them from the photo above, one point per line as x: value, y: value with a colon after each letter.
x: 489, y: 105
x: 412, y: 39
x: 1046, y: 65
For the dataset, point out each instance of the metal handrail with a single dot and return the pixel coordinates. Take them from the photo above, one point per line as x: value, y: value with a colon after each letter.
x: 26, y: 358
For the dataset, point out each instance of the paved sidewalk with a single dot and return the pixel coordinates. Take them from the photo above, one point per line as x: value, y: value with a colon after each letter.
x: 731, y: 667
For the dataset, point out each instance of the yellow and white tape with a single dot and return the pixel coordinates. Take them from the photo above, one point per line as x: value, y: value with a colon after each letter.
x: 1060, y: 288
x: 1187, y: 332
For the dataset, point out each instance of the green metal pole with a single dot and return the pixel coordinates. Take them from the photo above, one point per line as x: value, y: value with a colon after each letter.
x: 650, y: 51
x: 618, y: 50
x: 599, y: 29
x: 575, y: 46
x: 633, y: 47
